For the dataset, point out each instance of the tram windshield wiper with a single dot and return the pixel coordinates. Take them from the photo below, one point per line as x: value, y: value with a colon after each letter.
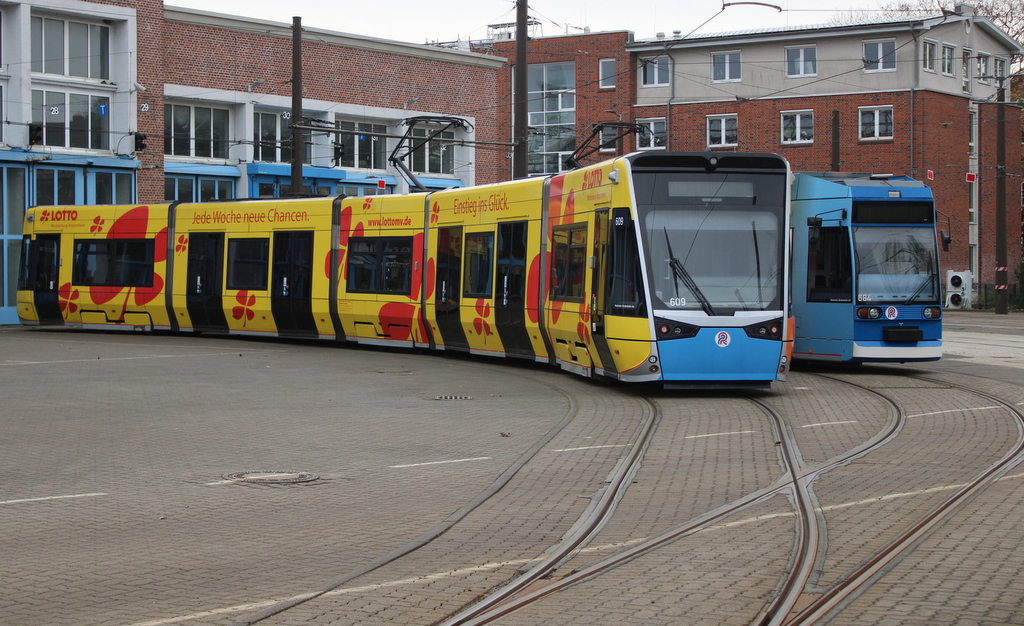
x: 679, y: 273
x: 927, y: 281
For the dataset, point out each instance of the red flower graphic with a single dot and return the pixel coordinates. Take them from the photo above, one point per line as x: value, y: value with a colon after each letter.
x: 67, y: 296
x: 480, y: 325
x: 182, y: 244
x: 533, y: 289
x: 583, y: 327
x: 435, y: 214
x: 247, y: 302
x: 97, y: 224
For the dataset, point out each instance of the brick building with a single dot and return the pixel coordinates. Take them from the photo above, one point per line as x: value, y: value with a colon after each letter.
x: 131, y: 101
x: 915, y: 97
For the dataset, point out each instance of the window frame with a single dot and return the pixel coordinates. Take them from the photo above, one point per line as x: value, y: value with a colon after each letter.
x: 470, y: 255
x: 984, y: 60
x: 948, y: 61
x: 436, y: 156
x: 653, y: 134
x: 44, y: 60
x: 606, y: 77
x: 929, y: 62
x: 728, y: 66
x: 723, y: 118
x: 381, y: 277
x: 883, y: 65
x: 802, y: 61
x: 660, y: 76
x: 798, y: 115
x: 120, y: 257
x: 965, y: 69
x: 214, y: 145
x: 65, y: 132
x: 876, y: 110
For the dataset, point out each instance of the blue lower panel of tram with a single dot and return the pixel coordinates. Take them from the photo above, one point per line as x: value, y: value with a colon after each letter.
x: 721, y: 356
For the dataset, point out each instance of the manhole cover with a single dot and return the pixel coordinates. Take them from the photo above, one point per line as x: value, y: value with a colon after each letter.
x: 271, y: 476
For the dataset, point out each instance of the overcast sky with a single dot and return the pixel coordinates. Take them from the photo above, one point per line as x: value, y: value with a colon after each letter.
x: 419, y: 21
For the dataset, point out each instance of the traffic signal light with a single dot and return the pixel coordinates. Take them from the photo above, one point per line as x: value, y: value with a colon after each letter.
x: 339, y: 153
x: 35, y: 134
x: 140, y: 142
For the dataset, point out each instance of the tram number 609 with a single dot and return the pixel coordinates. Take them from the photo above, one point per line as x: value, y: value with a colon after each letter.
x: 677, y: 302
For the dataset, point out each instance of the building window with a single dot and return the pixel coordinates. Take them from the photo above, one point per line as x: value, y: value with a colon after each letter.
x: 71, y: 119
x: 965, y: 70
x: 880, y: 56
x: 654, y: 72
x: 797, y: 127
x: 723, y: 130
x: 608, y: 139
x: 70, y: 48
x: 948, y: 60
x: 653, y: 135
x: 725, y: 67
x: 606, y: 69
x: 983, y: 67
x: 972, y: 146
x: 552, y: 111
x: 999, y: 68
x: 272, y: 138
x: 195, y: 131
x: 928, y: 54
x: 113, y: 188
x: 57, y: 186
x: 363, y: 146
x: 875, y: 123
x: 801, y: 62
x: 436, y: 156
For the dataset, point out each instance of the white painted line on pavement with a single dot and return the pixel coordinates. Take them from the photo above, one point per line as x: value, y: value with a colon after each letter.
x: 77, y: 495
x: 479, y: 458
x: 735, y: 432
x: 828, y: 423
x: 977, y: 408
x: 621, y: 445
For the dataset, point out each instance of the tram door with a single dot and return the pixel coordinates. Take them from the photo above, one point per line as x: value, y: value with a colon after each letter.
x: 510, y: 303
x: 204, y: 284
x: 291, y: 286
x: 448, y: 288
x: 599, y: 289
x: 46, y: 284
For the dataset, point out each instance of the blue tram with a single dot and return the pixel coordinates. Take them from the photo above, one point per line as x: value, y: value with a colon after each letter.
x: 866, y: 282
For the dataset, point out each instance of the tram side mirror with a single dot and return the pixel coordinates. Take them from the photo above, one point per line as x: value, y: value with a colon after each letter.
x: 814, y: 222
x: 813, y: 234
x: 946, y: 240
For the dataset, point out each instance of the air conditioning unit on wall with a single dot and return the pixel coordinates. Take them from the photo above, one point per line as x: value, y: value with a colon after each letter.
x: 958, y: 289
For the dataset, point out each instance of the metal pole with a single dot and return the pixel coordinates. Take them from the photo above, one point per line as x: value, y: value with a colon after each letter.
x: 520, y: 126
x: 296, y: 105
x: 1001, y: 268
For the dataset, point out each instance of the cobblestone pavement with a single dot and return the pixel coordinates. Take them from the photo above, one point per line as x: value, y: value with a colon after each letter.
x: 114, y: 508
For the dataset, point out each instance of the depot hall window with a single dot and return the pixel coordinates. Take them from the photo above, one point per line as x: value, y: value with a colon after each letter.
x: 195, y: 131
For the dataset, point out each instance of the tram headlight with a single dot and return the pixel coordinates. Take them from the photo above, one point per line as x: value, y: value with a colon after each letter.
x: 932, y: 312
x: 869, y: 313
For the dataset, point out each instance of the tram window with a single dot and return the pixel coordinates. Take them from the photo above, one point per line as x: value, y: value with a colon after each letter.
x: 397, y: 265
x: 380, y: 265
x: 829, y: 271
x: 247, y: 263
x: 113, y: 263
x: 479, y: 258
x: 625, y: 280
x: 449, y: 265
x: 569, y: 263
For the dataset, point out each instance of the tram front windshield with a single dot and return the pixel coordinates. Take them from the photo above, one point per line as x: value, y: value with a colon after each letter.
x: 896, y: 264
x: 714, y: 241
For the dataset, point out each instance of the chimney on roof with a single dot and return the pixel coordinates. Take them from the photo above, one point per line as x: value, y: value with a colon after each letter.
x: 676, y: 34
x: 964, y: 9
x: 660, y: 36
